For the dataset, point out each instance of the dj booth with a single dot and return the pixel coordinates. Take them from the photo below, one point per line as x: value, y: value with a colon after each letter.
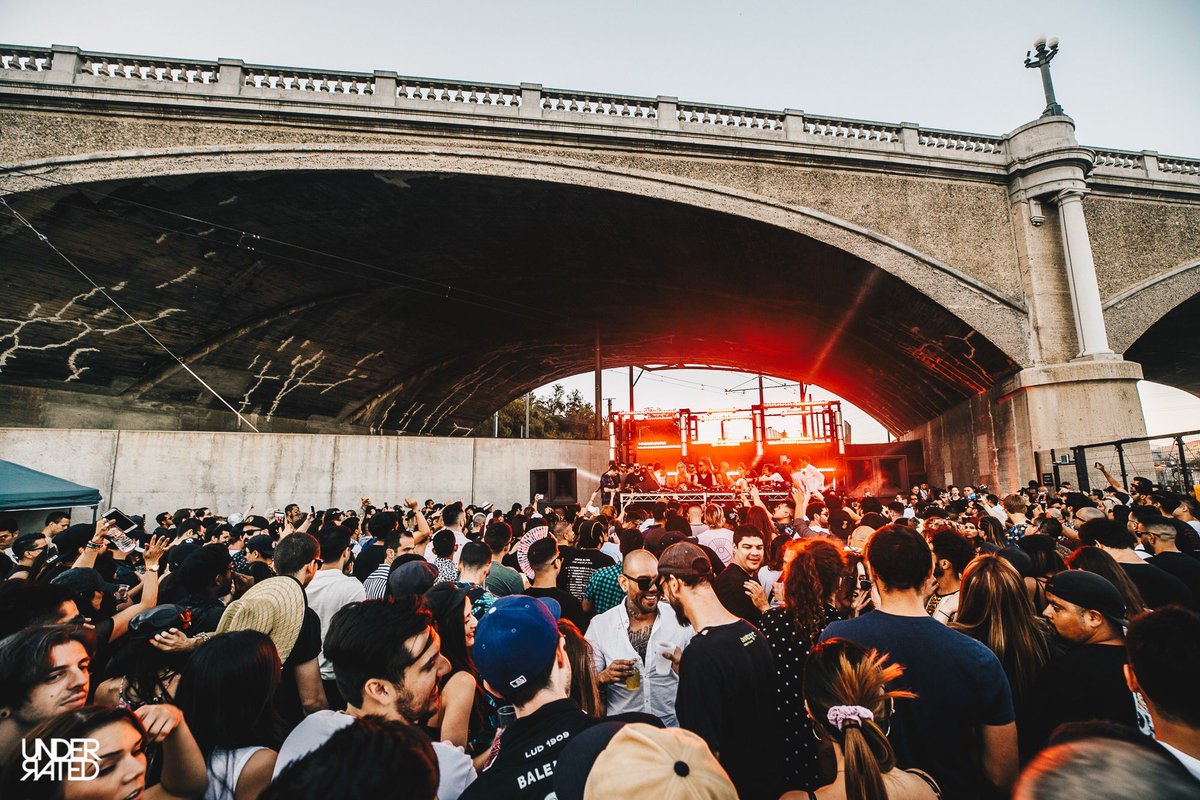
x: 721, y: 497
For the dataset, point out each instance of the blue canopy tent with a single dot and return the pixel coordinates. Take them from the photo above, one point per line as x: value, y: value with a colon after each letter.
x: 25, y: 489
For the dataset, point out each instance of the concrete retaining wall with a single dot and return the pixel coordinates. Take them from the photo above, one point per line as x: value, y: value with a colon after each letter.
x: 145, y: 472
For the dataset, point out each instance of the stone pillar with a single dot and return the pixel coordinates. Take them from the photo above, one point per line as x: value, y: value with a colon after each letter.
x: 1073, y: 389
x: 1081, y: 274
x: 64, y: 63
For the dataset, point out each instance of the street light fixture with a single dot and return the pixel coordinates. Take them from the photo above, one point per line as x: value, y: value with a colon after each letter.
x: 1046, y: 51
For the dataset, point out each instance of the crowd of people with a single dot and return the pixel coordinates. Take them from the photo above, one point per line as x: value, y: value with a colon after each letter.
x: 945, y: 643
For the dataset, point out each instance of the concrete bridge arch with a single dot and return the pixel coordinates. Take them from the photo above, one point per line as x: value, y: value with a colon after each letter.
x: 935, y: 346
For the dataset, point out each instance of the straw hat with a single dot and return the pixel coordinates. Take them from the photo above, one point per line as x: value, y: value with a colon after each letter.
x: 275, y: 607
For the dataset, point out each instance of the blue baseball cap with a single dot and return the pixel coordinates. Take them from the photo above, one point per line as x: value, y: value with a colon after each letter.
x: 515, y: 642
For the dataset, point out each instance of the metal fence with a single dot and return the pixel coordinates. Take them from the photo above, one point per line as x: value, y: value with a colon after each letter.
x: 1171, y: 461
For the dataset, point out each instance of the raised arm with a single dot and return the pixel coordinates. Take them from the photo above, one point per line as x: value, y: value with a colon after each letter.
x: 424, y: 532
x: 1111, y: 480
x: 95, y: 547
x: 149, y: 599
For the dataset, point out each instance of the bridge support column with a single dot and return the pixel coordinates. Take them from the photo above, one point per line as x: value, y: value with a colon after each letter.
x: 1002, y: 437
x: 1081, y: 274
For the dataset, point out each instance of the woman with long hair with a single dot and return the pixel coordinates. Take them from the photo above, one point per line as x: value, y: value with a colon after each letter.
x: 1093, y: 559
x: 810, y: 581
x: 225, y: 692
x: 121, y: 738
x: 846, y: 690
x: 991, y: 534
x: 994, y: 609
x: 1047, y: 562
x: 467, y: 718
x: 584, y: 689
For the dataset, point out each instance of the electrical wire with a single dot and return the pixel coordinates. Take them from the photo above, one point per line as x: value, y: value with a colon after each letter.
x: 43, y: 238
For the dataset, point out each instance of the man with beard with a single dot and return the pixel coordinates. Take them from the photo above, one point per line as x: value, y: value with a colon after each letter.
x: 387, y: 657
x: 636, y: 644
x: 726, y: 676
x: 737, y: 587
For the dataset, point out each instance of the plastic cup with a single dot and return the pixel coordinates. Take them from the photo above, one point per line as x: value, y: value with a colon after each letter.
x: 665, y: 651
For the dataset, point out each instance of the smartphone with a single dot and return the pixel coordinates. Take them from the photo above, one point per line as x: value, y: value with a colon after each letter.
x: 119, y: 520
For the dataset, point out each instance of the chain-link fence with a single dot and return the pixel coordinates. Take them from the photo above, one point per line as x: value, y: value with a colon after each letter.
x: 1171, y: 461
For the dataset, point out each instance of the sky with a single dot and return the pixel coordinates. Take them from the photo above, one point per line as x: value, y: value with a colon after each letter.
x: 955, y: 65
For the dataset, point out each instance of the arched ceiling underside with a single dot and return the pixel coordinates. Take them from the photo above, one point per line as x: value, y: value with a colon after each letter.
x: 1169, y: 351
x: 423, y: 302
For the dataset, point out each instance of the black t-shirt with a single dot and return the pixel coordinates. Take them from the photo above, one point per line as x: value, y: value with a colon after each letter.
x: 308, y: 647
x: 578, y: 568
x: 369, y: 559
x: 726, y: 696
x: 1158, y: 587
x: 1184, y: 567
x: 572, y: 609
x: 529, y: 751
x: 731, y: 591
x: 1084, y: 683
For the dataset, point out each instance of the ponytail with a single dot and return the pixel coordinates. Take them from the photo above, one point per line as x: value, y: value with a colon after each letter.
x: 845, y: 687
x: 864, y: 771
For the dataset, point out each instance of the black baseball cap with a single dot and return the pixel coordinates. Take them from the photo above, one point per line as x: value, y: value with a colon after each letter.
x: 1089, y: 591
x: 261, y: 543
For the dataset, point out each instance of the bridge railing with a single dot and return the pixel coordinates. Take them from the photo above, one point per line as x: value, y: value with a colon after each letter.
x: 382, y: 89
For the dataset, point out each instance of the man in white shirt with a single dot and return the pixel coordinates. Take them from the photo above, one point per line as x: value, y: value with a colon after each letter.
x: 452, y: 520
x: 329, y: 592
x: 637, y: 643
x: 387, y: 658
x: 1164, y: 647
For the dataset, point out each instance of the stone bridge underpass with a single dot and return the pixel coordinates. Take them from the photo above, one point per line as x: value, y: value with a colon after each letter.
x: 365, y: 252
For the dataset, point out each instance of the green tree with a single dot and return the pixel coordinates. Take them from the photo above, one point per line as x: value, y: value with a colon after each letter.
x: 557, y: 416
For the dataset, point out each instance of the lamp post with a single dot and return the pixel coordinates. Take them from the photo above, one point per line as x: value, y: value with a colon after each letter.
x: 1046, y: 51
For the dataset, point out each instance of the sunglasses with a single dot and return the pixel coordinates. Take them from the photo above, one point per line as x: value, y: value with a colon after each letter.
x: 645, y: 583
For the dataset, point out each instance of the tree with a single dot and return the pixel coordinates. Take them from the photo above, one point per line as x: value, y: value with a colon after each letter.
x: 556, y: 416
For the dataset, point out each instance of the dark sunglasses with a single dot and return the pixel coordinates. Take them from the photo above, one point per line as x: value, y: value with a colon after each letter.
x: 645, y: 583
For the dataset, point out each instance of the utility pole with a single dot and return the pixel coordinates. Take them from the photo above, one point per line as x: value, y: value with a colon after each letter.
x: 527, y: 396
x: 630, y: 389
x: 598, y: 432
x: 761, y: 401
x: 496, y: 425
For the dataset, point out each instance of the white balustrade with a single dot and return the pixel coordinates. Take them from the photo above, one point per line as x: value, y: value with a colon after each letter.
x: 1179, y: 166
x: 731, y: 117
x: 230, y: 78
x: 25, y: 59
x: 307, y: 81
x: 1118, y: 159
x: 148, y: 69
x: 953, y: 140
x: 604, y: 105
x: 449, y: 92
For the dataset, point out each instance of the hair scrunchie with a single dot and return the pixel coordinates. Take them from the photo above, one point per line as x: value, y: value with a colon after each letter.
x: 841, y: 716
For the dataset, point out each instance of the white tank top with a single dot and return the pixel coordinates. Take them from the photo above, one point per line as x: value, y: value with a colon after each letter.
x: 224, y: 769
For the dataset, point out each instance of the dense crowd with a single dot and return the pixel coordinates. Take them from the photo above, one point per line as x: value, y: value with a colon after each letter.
x: 940, y: 643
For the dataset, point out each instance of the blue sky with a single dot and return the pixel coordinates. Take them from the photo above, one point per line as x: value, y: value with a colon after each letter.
x: 1127, y: 72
